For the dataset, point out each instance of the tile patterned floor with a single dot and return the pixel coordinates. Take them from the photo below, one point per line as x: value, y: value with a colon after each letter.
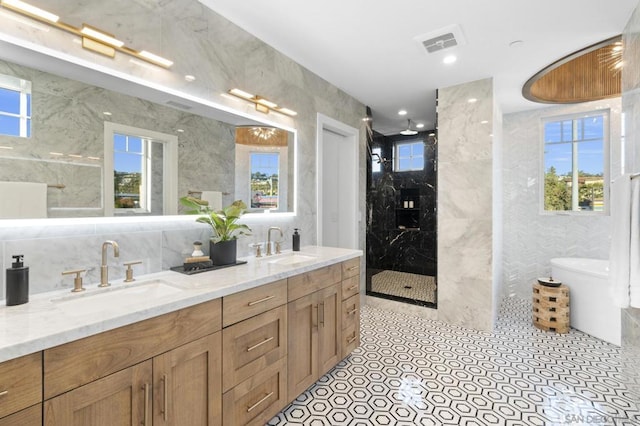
x: 404, y: 284
x: 413, y: 371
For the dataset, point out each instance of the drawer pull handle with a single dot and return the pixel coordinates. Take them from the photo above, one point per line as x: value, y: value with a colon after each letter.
x: 353, y: 339
x: 147, y: 394
x: 353, y: 311
x: 352, y: 268
x: 255, y: 302
x: 4, y: 392
x: 257, y: 345
x: 353, y: 287
x: 259, y: 402
x: 321, y: 310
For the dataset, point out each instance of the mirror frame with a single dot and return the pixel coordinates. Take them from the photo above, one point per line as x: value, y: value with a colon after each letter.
x: 39, y: 57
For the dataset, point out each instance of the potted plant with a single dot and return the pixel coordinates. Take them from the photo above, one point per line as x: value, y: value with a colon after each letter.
x: 224, y: 225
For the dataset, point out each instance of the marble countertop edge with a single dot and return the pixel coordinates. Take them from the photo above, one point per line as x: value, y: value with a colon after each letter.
x: 42, y: 323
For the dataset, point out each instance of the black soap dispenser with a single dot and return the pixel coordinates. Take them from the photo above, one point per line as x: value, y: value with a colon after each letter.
x: 17, y: 280
x: 296, y: 240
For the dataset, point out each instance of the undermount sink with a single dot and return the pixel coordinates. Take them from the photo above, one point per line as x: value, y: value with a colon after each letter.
x: 120, y: 295
x: 292, y: 259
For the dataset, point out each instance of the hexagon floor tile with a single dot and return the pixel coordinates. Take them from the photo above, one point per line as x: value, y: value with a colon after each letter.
x: 413, y: 371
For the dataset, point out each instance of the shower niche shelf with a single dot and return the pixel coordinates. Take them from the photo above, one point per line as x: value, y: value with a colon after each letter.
x: 408, y: 209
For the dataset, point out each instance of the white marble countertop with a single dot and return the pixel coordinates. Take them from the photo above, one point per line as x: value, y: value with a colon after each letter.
x: 57, y: 317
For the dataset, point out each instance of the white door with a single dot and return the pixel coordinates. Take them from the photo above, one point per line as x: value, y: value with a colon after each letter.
x: 337, y: 184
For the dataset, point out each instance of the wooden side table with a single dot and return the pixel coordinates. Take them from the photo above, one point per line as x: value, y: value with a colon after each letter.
x: 551, y: 308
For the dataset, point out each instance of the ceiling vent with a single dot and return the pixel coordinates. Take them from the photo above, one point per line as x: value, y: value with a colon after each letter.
x: 444, y: 38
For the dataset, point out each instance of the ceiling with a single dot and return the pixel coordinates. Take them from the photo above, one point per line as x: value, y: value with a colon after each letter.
x: 369, y: 48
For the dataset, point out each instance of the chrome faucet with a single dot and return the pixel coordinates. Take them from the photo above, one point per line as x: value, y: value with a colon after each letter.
x: 104, y: 269
x: 272, y: 228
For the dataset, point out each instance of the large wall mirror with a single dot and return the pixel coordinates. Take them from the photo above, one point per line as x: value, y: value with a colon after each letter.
x: 99, y: 146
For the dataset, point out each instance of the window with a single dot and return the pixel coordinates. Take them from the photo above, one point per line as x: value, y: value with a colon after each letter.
x: 376, y: 160
x: 15, y: 106
x: 409, y: 156
x: 264, y: 179
x: 130, y: 171
x: 575, y: 172
x: 141, y: 173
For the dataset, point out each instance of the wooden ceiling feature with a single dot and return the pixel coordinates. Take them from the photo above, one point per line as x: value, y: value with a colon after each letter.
x: 586, y: 75
x: 261, y: 136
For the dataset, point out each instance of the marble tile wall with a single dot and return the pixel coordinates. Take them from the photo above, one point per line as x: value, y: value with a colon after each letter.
x: 532, y: 239
x: 465, y: 188
x: 221, y: 56
x: 631, y: 109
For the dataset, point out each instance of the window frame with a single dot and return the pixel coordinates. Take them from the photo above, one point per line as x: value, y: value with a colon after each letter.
x: 23, y: 88
x: 278, y: 169
x: 396, y: 154
x: 170, y: 166
x: 605, y: 113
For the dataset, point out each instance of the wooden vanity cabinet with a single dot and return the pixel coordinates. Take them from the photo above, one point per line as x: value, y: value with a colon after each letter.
x: 254, y: 354
x: 165, y: 370
x: 21, y: 391
x: 350, y: 306
x: 315, y: 326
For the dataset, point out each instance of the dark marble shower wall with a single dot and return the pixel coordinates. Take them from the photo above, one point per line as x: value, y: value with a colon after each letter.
x: 390, y: 247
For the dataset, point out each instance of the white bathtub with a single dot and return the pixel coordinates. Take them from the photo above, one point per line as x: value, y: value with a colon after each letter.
x: 592, y: 308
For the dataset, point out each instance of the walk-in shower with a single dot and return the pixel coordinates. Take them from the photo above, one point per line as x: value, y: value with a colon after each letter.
x: 401, y: 218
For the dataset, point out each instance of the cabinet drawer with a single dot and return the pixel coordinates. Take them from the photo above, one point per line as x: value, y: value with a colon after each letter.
x: 350, y: 339
x: 252, y: 345
x: 20, y: 383
x: 350, y: 286
x: 351, y: 268
x: 351, y: 312
x: 256, y: 400
x: 312, y: 281
x: 82, y: 361
x: 31, y: 416
x: 246, y: 304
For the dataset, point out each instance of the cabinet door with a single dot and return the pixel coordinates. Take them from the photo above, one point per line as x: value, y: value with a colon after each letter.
x: 329, y: 328
x: 20, y: 383
x: 122, y: 398
x: 302, y: 371
x: 187, y: 384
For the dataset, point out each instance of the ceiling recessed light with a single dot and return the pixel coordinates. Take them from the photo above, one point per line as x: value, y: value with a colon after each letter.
x: 484, y: 122
x: 107, y: 113
x: 472, y: 100
x: 180, y: 130
x: 419, y: 126
x: 449, y: 59
x: 402, y: 112
x: 189, y: 78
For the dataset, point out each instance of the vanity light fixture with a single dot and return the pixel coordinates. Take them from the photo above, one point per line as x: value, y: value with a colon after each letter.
x: 29, y: 10
x: 262, y: 104
x: 93, y: 38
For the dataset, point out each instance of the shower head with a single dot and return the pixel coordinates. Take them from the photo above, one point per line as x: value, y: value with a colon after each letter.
x: 379, y: 159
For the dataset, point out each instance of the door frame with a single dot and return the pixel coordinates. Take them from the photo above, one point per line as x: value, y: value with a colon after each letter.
x: 351, y: 135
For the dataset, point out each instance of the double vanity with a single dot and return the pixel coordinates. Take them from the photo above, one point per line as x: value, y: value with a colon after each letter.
x: 232, y: 346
